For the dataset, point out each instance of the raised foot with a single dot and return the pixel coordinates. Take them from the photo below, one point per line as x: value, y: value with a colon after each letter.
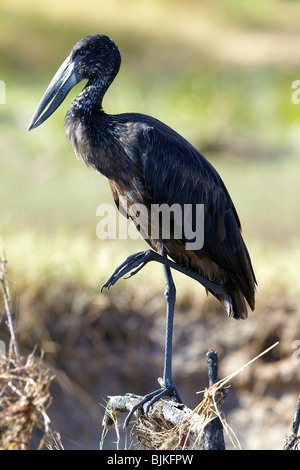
x: 165, y: 391
x: 132, y: 264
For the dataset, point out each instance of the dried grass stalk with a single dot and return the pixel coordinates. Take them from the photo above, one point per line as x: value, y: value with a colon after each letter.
x: 24, y: 400
x: 24, y: 389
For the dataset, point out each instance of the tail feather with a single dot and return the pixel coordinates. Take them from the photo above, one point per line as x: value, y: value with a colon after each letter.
x: 234, y: 304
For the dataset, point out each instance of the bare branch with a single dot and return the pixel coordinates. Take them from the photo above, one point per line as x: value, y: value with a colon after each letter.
x: 213, y: 438
x: 167, y: 410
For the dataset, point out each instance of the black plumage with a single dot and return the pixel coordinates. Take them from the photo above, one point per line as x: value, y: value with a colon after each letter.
x: 149, y: 163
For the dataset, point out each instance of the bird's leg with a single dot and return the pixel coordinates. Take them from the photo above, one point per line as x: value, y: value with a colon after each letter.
x: 168, y: 387
x: 170, y: 296
x: 134, y: 263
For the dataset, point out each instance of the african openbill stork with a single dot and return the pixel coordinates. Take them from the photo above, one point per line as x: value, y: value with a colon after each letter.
x: 149, y: 163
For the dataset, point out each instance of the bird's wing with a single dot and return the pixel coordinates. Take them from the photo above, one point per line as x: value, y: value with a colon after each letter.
x: 176, y: 173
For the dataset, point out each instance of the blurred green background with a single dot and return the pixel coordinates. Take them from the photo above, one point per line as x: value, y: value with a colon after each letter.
x: 219, y: 72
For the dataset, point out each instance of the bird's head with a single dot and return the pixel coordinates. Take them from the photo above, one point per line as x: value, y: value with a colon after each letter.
x: 94, y: 57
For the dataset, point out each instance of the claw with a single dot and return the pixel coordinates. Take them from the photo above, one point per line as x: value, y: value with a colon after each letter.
x: 170, y: 391
x: 136, y: 262
x: 132, y: 265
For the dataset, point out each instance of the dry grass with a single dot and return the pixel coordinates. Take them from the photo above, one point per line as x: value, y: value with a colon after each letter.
x: 24, y: 391
x: 292, y: 442
x: 159, y: 435
x: 25, y: 398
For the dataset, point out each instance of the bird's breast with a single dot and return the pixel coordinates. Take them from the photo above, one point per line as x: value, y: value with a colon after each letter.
x: 98, y: 147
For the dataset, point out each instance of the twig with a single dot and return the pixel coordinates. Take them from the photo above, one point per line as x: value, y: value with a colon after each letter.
x: 292, y: 441
x: 213, y: 437
x: 3, y: 263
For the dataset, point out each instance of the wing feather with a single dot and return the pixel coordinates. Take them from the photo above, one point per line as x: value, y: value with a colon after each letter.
x: 176, y: 172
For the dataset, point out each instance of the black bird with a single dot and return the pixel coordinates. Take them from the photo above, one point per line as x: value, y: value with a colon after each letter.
x: 149, y: 164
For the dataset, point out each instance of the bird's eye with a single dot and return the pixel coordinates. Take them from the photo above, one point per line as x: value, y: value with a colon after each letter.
x: 81, y: 53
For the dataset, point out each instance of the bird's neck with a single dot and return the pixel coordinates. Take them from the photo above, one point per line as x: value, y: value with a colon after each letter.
x: 91, y: 96
x: 93, y: 133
